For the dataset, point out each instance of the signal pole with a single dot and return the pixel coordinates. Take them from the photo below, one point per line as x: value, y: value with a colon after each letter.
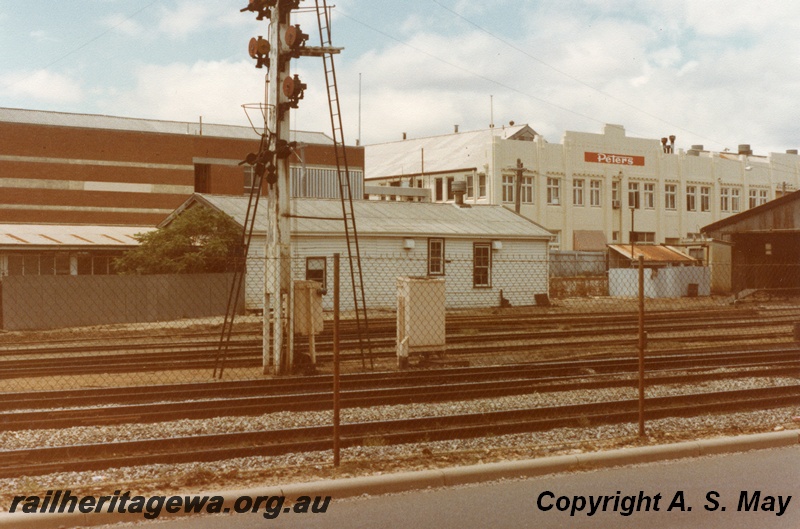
x: 284, y: 92
x: 278, y: 278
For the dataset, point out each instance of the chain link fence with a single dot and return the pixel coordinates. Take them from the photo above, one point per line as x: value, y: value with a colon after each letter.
x: 62, y: 332
x: 556, y: 350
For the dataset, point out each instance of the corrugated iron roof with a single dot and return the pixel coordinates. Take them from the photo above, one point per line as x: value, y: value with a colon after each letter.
x: 374, y: 218
x: 95, y: 121
x: 21, y: 236
x: 653, y: 253
x: 462, y: 150
x: 729, y: 223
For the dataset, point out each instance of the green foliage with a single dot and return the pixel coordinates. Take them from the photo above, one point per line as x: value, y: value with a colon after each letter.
x: 200, y: 240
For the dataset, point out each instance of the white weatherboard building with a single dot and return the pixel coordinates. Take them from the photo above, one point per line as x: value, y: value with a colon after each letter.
x: 583, y: 189
x: 479, y: 250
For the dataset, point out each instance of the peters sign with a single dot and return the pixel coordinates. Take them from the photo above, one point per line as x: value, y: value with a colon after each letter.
x: 616, y: 159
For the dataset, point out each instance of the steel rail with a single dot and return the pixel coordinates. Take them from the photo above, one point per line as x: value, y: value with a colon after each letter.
x: 92, y: 457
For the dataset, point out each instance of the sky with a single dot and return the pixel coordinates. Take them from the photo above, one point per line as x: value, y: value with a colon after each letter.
x: 710, y: 72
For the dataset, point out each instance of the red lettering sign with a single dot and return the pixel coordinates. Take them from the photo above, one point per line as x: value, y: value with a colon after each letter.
x: 616, y: 159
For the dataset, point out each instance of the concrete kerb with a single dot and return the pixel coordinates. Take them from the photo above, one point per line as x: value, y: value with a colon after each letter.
x: 401, y: 482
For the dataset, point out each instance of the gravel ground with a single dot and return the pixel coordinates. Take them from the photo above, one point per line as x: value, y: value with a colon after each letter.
x: 15, y: 440
x: 377, y: 458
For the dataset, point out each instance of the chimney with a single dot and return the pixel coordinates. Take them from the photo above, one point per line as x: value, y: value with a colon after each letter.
x: 791, y: 151
x: 744, y: 148
x: 671, y: 143
x: 459, y: 189
x: 404, y: 136
x: 664, y: 145
x: 455, y: 129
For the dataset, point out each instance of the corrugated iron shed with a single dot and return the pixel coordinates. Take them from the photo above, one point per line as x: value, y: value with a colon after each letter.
x: 55, y: 236
x: 384, y: 218
x: 781, y: 214
x: 92, y: 121
x: 653, y: 253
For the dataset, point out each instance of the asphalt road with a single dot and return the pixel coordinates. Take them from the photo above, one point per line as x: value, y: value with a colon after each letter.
x: 743, y: 490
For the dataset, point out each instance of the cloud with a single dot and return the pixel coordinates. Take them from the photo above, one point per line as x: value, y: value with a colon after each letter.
x: 212, y: 89
x: 41, y: 85
x: 196, y: 16
x: 186, y: 18
x: 123, y: 24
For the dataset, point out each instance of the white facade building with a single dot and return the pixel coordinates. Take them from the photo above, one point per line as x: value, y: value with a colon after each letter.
x: 591, y: 189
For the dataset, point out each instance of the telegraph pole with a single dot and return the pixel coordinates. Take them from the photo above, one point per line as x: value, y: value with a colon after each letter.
x: 519, y: 171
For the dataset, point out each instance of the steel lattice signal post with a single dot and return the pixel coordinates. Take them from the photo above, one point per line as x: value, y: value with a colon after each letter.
x: 284, y: 43
x: 272, y: 163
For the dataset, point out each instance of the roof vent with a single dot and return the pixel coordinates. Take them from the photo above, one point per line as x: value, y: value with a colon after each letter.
x: 459, y: 188
x: 695, y: 150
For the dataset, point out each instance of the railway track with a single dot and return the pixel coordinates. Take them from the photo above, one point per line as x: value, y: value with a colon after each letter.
x: 468, y: 336
x: 30, y: 462
x: 62, y: 409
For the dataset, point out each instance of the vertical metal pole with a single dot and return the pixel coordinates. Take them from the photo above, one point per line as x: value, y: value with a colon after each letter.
x: 336, y: 418
x: 312, y: 344
x: 631, y: 235
x: 641, y: 346
x: 278, y: 273
x: 518, y: 187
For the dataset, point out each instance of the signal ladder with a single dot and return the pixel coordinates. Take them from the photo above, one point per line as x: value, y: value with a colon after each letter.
x: 345, y: 191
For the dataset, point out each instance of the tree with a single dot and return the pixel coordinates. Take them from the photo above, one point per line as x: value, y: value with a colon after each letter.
x: 199, y: 240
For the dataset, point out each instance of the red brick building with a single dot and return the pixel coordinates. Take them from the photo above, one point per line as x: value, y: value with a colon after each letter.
x: 58, y: 168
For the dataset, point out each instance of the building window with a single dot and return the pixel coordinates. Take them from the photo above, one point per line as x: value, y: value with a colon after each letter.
x: 577, y: 192
x: 527, y: 190
x: 102, y: 265
x: 595, y: 195
x: 725, y: 199
x: 16, y: 266
x: 649, y: 196
x: 633, y: 195
x: 481, y: 265
x: 642, y: 236
x: 84, y: 262
x: 481, y: 185
x: 316, y: 270
x: 470, y: 183
x: 691, y: 198
x: 450, y: 194
x: 439, y: 190
x: 735, y: 199
x: 508, y: 188
x: 555, y: 242
x: 755, y: 198
x: 705, y: 198
x: 615, y: 236
x: 553, y: 191
x: 250, y: 180
x: 615, y: 194
x: 670, y: 196
x: 202, y: 174
x: 435, y: 257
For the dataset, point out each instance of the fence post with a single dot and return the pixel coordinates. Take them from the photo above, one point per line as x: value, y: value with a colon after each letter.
x: 641, y: 346
x: 336, y: 404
